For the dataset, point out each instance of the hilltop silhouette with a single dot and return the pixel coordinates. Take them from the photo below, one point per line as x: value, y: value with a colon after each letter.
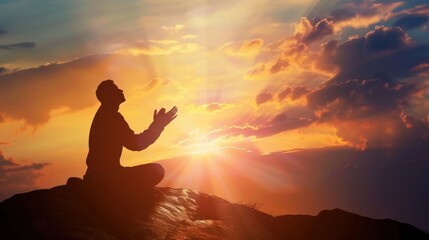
x: 67, y: 212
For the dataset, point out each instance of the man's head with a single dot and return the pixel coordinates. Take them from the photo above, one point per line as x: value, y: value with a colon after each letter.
x: 108, y: 93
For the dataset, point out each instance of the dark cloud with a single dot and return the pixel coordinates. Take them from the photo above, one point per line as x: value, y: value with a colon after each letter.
x: 307, y: 31
x: 320, y: 29
x: 263, y: 97
x: 21, y: 45
x: 30, y: 95
x: 393, y: 130
x: 366, y: 100
x: 2, y: 31
x: 383, y: 50
x: 293, y: 93
x: 16, y: 178
x: 411, y: 21
x: 339, y: 15
x: 3, y: 70
x: 279, y: 65
x: 385, y: 38
x: 358, y: 98
x: 285, y: 93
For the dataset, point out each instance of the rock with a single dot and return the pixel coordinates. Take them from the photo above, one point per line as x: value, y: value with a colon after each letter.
x: 73, y: 211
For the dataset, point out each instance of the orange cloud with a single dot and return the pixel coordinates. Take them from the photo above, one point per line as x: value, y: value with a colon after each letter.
x: 249, y: 48
x: 158, y: 47
x: 189, y: 36
x: 258, y: 71
x: 173, y: 29
x: 263, y: 97
x: 293, y: 93
x: 210, y: 107
x: 362, y: 14
x: 308, y: 32
x: 280, y: 123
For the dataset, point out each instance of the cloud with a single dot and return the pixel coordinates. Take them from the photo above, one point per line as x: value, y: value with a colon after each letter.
x: 279, y: 65
x: 309, y: 32
x: 293, y: 93
x: 421, y: 10
x: 385, y: 38
x: 263, y: 97
x: 2, y: 31
x: 411, y: 21
x: 358, y: 98
x: 31, y: 95
x: 3, y: 70
x: 212, y: 107
x: 16, y: 178
x: 374, y: 77
x: 189, y: 36
x: 157, y: 47
x: 372, y: 89
x: 257, y: 71
x: 248, y: 48
x: 154, y: 83
x: 278, y: 124
x: 291, y: 53
x: 354, y: 14
x: 364, y: 13
x: 382, y: 50
x: 421, y: 67
x: 297, y: 52
x: 173, y: 29
x: 321, y: 29
x: 22, y: 45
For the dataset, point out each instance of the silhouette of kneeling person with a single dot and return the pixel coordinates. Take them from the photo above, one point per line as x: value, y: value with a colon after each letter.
x: 109, y: 133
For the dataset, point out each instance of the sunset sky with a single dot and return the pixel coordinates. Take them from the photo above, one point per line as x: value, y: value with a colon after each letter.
x: 299, y: 105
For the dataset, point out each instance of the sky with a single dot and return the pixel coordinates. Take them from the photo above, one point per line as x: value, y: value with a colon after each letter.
x: 297, y: 106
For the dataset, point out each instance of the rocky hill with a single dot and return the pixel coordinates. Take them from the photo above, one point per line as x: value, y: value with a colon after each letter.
x: 72, y: 212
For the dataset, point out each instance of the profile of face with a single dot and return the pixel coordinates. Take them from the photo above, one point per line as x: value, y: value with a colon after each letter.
x: 108, y: 93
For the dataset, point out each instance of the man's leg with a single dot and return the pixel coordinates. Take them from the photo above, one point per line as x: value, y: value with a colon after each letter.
x: 145, y: 175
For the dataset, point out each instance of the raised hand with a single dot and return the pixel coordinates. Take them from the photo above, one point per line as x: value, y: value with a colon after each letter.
x: 164, y: 118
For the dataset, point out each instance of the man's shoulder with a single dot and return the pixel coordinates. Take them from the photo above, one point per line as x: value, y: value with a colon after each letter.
x: 108, y: 116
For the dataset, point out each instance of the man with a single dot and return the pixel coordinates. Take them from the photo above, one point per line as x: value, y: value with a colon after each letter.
x: 110, y: 132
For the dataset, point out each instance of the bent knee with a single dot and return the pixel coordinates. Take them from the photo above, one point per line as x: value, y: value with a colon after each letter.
x: 160, y: 172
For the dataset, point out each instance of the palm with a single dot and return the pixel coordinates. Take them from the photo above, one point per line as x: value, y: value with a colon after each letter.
x: 164, y: 118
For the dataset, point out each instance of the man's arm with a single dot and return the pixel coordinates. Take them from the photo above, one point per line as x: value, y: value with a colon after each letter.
x: 138, y: 142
